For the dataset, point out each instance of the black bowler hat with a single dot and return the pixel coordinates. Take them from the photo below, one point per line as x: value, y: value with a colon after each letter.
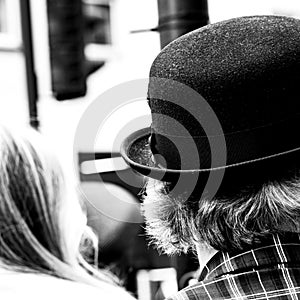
x: 222, y: 97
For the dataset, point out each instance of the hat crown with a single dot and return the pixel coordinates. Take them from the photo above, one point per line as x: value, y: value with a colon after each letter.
x: 247, y: 69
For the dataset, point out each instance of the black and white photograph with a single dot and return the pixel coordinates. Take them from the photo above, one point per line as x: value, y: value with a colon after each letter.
x: 149, y: 149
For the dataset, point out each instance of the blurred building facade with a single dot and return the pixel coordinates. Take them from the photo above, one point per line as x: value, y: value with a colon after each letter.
x: 127, y: 56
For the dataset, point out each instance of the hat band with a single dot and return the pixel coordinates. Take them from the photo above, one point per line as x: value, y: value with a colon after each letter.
x: 194, y: 152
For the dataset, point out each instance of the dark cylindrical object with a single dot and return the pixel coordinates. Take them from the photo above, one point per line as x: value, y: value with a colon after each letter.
x: 66, y: 36
x: 177, y: 17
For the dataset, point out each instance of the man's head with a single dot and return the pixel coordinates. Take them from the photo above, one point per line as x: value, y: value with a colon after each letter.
x: 224, y: 107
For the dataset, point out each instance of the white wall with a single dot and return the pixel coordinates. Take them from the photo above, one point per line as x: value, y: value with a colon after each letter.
x: 13, y: 97
x: 222, y: 10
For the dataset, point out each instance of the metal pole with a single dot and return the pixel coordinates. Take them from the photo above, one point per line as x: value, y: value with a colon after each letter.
x: 32, y: 90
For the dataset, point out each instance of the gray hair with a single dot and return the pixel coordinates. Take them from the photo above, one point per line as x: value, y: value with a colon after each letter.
x: 226, y: 222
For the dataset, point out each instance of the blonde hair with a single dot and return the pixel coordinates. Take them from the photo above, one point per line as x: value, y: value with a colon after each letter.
x: 32, y: 195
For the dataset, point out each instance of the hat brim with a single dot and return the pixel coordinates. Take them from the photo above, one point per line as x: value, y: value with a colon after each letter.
x: 137, y: 153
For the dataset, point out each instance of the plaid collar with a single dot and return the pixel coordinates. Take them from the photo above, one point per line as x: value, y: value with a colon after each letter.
x: 265, y: 254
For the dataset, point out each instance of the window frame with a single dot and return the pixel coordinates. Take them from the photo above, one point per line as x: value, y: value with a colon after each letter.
x: 11, y: 40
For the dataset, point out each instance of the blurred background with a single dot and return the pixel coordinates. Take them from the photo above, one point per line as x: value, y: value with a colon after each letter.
x: 57, y: 57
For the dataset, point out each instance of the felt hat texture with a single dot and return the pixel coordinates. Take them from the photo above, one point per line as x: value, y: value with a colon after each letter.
x: 227, y: 89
